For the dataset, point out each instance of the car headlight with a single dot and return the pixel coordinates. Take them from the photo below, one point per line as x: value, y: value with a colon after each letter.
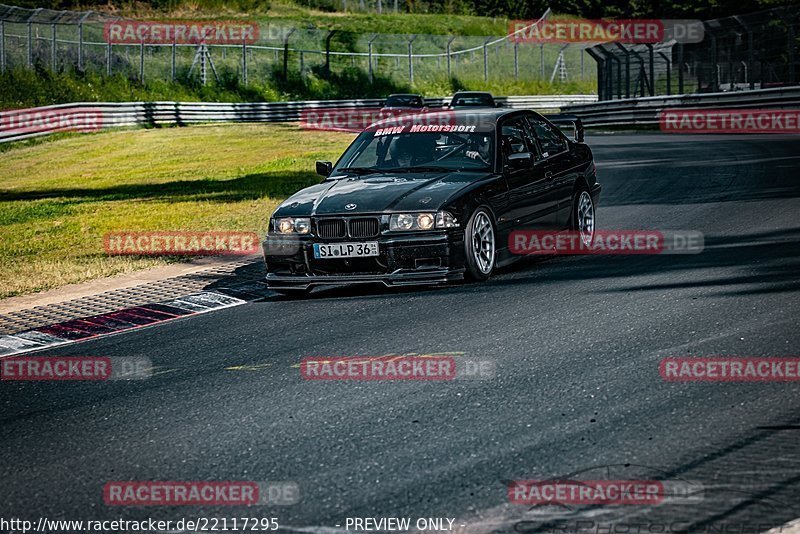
x: 445, y: 219
x: 302, y: 225
x: 421, y: 221
x: 287, y: 225
x: 425, y: 221
x: 402, y: 221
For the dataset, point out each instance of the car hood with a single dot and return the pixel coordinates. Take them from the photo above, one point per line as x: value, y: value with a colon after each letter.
x: 378, y: 194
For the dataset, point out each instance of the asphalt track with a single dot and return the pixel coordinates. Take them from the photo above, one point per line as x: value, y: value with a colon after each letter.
x: 577, y: 342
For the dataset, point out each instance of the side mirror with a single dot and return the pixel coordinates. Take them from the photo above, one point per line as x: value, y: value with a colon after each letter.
x: 324, y: 168
x: 521, y: 160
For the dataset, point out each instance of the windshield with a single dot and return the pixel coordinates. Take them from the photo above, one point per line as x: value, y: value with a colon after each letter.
x: 409, y: 152
x: 473, y: 101
x: 409, y: 101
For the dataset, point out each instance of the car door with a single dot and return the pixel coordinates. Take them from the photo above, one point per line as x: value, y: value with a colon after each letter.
x: 530, y: 202
x: 560, y: 170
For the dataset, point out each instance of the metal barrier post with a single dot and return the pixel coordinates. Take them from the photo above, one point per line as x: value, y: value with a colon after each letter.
x: 600, y: 72
x: 627, y: 70
x: 173, y: 62
x: 652, y: 85
x: 516, y: 62
x: 669, y: 72
x: 680, y: 68
x: 141, y: 60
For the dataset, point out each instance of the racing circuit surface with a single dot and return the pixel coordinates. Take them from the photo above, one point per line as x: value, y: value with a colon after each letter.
x: 577, y: 342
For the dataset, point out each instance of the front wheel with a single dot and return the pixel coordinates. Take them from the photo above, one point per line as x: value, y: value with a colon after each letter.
x: 479, y: 245
x: 583, y: 217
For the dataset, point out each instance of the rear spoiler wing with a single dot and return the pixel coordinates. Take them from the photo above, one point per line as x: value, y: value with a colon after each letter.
x: 571, y: 125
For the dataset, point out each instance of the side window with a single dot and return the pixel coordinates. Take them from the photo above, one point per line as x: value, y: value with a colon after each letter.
x: 550, y: 140
x: 516, y: 138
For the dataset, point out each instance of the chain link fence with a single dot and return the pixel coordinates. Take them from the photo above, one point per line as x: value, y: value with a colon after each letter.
x: 63, y: 40
x: 745, y: 52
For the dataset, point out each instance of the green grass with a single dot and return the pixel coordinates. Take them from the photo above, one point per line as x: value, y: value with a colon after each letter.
x: 58, y: 199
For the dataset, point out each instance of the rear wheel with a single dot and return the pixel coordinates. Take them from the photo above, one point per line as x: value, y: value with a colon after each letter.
x: 583, y: 217
x: 479, y: 245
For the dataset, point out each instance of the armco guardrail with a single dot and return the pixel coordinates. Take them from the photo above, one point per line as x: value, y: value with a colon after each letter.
x: 17, y: 125
x: 644, y: 111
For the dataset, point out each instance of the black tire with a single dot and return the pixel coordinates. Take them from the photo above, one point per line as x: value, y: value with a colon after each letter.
x: 580, y: 193
x: 476, y: 269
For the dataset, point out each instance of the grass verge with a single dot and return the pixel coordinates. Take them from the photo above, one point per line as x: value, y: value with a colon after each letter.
x: 58, y: 199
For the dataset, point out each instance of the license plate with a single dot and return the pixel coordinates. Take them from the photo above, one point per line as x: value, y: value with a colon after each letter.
x: 345, y: 250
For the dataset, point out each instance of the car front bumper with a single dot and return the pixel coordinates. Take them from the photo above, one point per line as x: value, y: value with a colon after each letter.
x: 410, y: 259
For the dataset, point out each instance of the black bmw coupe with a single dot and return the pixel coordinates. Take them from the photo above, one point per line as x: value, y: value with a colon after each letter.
x: 432, y: 198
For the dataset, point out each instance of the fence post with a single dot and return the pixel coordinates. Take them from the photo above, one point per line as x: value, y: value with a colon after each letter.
x: 600, y: 72
x: 172, y: 60
x: 380, y: 7
x: 328, y: 54
x: 792, y: 45
x: 30, y: 46
x: 302, y: 63
x: 669, y: 72
x: 244, y: 61
x: 80, y: 46
x: 486, y: 60
x: 286, y: 53
x: 108, y: 57
x: 516, y: 60
x: 583, y: 55
x: 627, y: 70
x: 652, y: 85
x: 541, y: 61
x: 369, y: 56
x: 680, y: 68
x: 53, y: 62
x: 141, y: 61
x: 2, y: 46
x: 449, y: 43
x: 410, y: 60
x: 80, y: 39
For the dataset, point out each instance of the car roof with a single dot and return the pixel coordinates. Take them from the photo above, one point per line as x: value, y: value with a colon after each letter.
x: 487, y: 114
x: 481, y: 93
